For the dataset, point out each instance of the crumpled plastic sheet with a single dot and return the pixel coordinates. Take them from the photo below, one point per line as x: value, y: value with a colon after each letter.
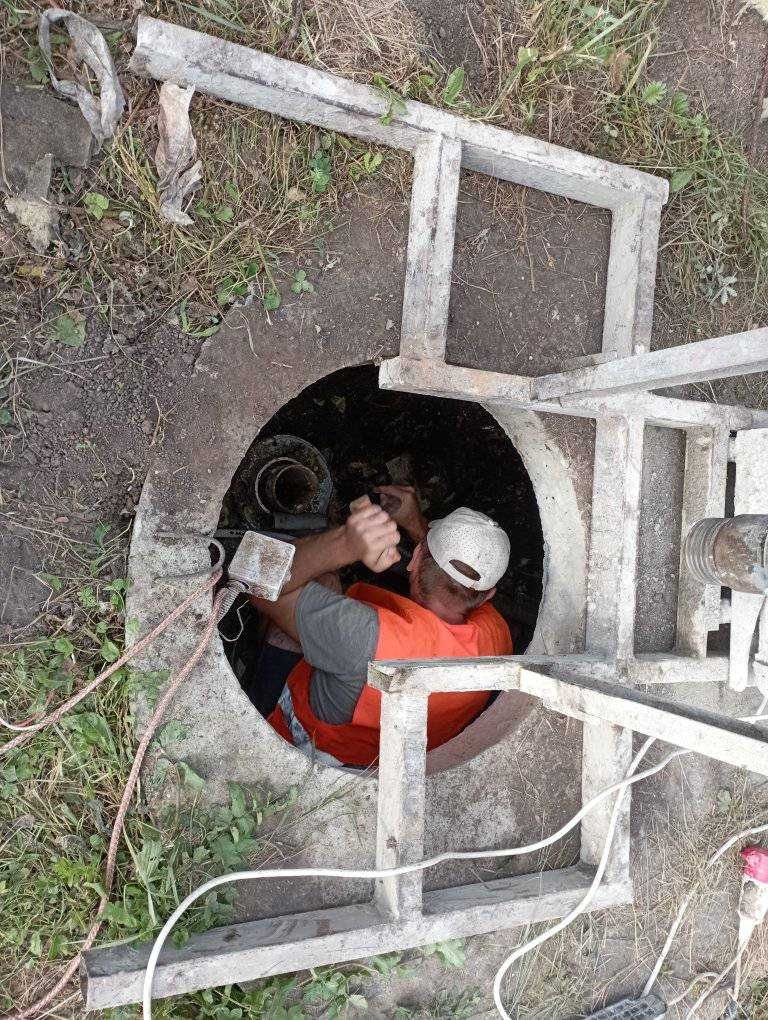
x: 102, y: 114
x: 179, y: 171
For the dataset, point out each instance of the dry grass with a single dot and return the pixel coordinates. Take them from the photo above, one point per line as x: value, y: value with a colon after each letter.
x: 356, y: 37
x: 578, y: 80
x: 603, y: 957
x: 567, y: 72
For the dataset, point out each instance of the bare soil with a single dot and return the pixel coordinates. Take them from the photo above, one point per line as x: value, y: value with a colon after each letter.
x: 715, y: 53
x: 528, y: 281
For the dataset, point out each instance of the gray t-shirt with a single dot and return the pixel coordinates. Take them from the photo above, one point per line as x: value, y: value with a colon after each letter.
x: 338, y: 637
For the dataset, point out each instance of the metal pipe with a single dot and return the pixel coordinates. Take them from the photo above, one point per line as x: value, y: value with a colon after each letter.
x: 286, y: 486
x: 730, y: 552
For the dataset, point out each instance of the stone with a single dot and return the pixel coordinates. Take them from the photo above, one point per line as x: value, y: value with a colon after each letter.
x: 36, y: 124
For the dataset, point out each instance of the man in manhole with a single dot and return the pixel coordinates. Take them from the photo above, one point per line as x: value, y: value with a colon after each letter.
x: 320, y: 641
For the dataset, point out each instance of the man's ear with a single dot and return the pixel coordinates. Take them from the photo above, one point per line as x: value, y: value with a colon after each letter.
x: 418, y: 552
x: 488, y: 596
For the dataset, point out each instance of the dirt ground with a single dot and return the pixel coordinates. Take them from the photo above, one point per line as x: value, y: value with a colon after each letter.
x: 529, y: 273
x: 714, y: 52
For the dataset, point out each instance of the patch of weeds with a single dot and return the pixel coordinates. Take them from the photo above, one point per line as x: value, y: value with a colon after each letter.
x: 239, y: 283
x: 58, y: 792
x: 320, y: 172
x: 454, y: 87
x: 366, y: 166
x: 68, y: 329
x: 330, y: 992
x: 653, y: 93
x: 95, y: 204
x: 579, y: 79
x: 715, y: 283
x: 717, y: 233
x: 267, y: 185
x: 199, y: 328
x: 221, y: 214
x: 301, y: 285
x: 396, y: 105
x: 451, y: 953
x: 445, y: 1006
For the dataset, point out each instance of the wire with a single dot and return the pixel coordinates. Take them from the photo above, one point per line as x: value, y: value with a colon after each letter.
x: 169, y: 693
x: 231, y: 640
x: 715, y: 982
x: 752, y: 831
x: 588, y: 896
x: 192, y: 574
x: 406, y: 869
x: 689, y: 988
x: 27, y: 730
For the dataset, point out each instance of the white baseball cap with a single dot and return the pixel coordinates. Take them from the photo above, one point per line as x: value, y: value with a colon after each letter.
x: 473, y: 539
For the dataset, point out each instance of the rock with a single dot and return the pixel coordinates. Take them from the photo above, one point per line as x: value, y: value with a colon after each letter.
x: 35, y: 124
x: 31, y: 207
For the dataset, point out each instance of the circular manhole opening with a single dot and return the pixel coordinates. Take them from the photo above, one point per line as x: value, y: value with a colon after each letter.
x: 454, y: 453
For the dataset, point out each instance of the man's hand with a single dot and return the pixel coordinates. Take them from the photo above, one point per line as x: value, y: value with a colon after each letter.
x: 402, y: 504
x: 371, y: 536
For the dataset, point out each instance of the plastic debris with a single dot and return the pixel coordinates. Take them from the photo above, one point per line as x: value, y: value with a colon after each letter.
x: 179, y: 170
x: 650, y: 1007
x: 90, y: 47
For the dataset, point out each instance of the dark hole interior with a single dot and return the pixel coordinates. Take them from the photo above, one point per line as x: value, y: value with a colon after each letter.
x: 453, y: 452
x: 294, y: 486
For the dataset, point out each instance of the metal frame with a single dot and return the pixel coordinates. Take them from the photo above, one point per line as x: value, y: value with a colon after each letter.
x: 614, y: 389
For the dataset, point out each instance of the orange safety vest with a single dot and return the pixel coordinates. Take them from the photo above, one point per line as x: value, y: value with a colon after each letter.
x: 406, y: 631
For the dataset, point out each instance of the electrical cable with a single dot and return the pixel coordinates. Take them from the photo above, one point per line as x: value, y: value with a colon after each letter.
x: 689, y: 988
x: 619, y: 787
x: 588, y: 896
x: 192, y: 574
x: 731, y: 841
x: 737, y: 979
x: 715, y: 982
x: 168, y: 694
x: 406, y: 869
x: 241, y: 621
x: 27, y: 730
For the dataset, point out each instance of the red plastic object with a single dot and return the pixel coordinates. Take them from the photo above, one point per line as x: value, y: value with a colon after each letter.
x: 756, y: 863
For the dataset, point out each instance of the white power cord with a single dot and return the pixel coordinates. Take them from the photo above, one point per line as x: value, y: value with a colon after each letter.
x: 589, y: 895
x: 407, y: 869
x: 736, y: 961
x: 731, y: 841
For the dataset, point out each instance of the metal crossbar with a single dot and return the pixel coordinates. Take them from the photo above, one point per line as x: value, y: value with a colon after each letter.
x: 615, y: 390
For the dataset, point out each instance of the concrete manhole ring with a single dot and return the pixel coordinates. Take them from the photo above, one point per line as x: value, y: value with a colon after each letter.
x: 225, y: 739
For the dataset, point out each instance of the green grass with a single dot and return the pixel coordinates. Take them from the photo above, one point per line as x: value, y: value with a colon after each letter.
x: 59, y: 794
x: 272, y: 189
x: 576, y: 74
x: 580, y: 79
